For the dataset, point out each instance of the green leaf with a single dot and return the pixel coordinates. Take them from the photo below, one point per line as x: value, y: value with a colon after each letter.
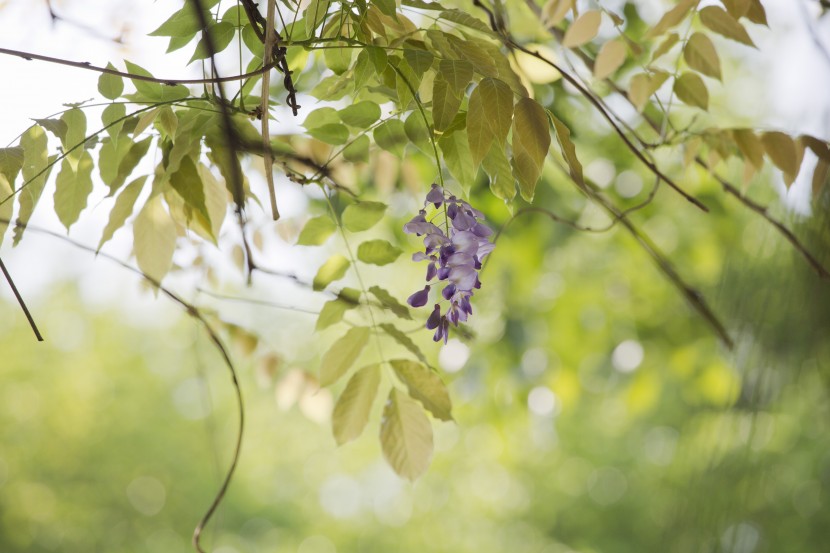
x: 404, y: 340
x: 333, y: 269
x: 154, y: 239
x: 73, y: 140
x: 418, y: 132
x: 316, y: 231
x: 320, y: 117
x: 36, y: 169
x: 182, y: 23
x: 389, y: 302
x: 701, y: 55
x: 783, y: 152
x: 362, y: 216
x: 489, y: 116
x: 332, y: 313
x: 566, y: 145
x: 188, y: 184
x: 378, y: 252
x: 757, y: 13
x: 6, y: 207
x: 691, y: 90
x: 531, y: 141
x: 424, y: 386
x: 338, y: 57
x: 610, y: 57
x: 391, y: 136
x: 737, y: 8
x: 357, y: 150
x: 465, y: 19
x: 55, y: 126
x: 333, y: 133
x: 584, y: 29
x: 405, y: 436
x: 122, y: 209
x: 222, y: 33
x: 386, y: 7
x: 406, y: 84
x: 497, y: 166
x: 361, y: 115
x: 717, y: 19
x: 314, y: 15
x: 342, y: 354
x: 11, y: 161
x: 72, y: 188
x: 216, y: 200
x: 129, y: 162
x: 448, y: 90
x: 378, y: 58
x: 154, y: 92
x: 457, y: 157
x: 351, y: 412
x: 110, y: 86
x: 167, y: 121
x: 666, y: 45
x: 418, y: 60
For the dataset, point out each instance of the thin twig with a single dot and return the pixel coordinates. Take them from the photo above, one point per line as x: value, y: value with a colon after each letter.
x: 20, y: 299
x: 132, y: 76
x: 267, y: 158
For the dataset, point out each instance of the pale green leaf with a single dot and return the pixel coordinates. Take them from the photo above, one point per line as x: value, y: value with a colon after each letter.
x: 36, y: 169
x: 456, y: 150
x: 6, y: 207
x: 418, y: 60
x: 465, y: 19
x: 750, y: 146
x: 154, y: 239
x: 425, y: 386
x: 167, y: 121
x: 737, y: 8
x: 378, y: 252
x: 643, y: 85
x: 361, y: 115
x: 691, y: 90
x: 154, y: 91
x: 216, y: 199
x: 757, y: 13
x: 718, y: 20
x: 320, y: 117
x: 122, y: 209
x: 110, y: 86
x: 445, y: 103
x: 531, y: 141
x: 188, y: 184
x: 404, y: 340
x: 610, y: 57
x: 418, y: 132
x: 361, y: 216
x: 333, y: 269
x: 672, y: 17
x: 554, y: 11
x: 72, y: 188
x: 11, y: 161
x: 584, y: 29
x: 316, y: 231
x: 405, y: 436
x: 342, y: 354
x: 72, y: 141
x: 338, y: 57
x: 357, y: 150
x: 333, y: 133
x: 314, y: 15
x: 389, y: 302
x: 391, y: 136
x: 332, y: 313
x: 667, y: 44
x: 701, y: 55
x: 351, y: 412
x: 182, y: 23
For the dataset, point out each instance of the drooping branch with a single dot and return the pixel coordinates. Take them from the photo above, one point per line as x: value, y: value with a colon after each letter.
x: 20, y: 299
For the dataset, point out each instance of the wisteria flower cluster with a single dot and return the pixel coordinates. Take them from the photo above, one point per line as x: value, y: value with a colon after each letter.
x: 453, y: 257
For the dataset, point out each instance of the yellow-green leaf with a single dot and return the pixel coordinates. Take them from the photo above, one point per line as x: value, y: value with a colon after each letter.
x: 611, y: 56
x: 361, y: 216
x: 332, y: 313
x: 750, y: 146
x: 819, y: 180
x: 333, y: 269
x: 405, y: 436
x: 497, y: 167
x: 701, y: 55
x: 154, y: 239
x: 691, y: 90
x: 531, y: 141
x: 122, y: 209
x: 672, y: 17
x: 342, y: 354
x: 489, y: 116
x: 404, y: 340
x: 643, y: 85
x: 378, y: 252
x: 666, y: 45
x: 555, y: 11
x: 583, y: 29
x: 351, y: 413
x: 783, y: 152
x: 314, y: 15
x: 72, y: 188
x: 7, y: 207
x: 458, y: 158
x: 110, y: 86
x: 391, y: 136
x: 757, y: 13
x: 389, y: 302
x: 737, y: 8
x: 361, y: 115
x: 36, y: 168
x: 566, y: 145
x: 425, y: 386
x: 719, y: 20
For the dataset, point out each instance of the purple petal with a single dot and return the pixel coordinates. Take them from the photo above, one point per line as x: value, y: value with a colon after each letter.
x: 452, y: 211
x: 484, y: 247
x: 463, y: 221
x: 420, y: 227
x: 419, y: 299
x: 448, y: 291
x: 466, y: 242
x: 420, y: 256
x: 464, y: 277
x: 434, y: 319
x: 443, y: 273
x: 431, y: 271
x: 460, y: 258
x: 435, y: 195
x: 482, y: 230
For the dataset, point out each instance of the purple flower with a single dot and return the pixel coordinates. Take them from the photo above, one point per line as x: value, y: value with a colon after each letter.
x: 454, y: 254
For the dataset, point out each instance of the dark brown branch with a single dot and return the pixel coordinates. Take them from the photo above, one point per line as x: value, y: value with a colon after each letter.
x: 168, y: 82
x: 20, y: 299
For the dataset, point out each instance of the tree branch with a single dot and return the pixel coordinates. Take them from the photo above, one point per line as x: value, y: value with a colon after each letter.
x: 168, y: 82
x: 20, y: 299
